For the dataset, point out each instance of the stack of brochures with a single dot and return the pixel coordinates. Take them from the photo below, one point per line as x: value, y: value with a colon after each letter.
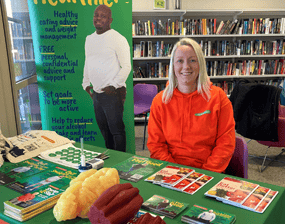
x: 164, y: 206
x: 181, y: 179
x: 242, y: 194
x: 29, y: 205
x: 40, y: 182
x: 198, y: 214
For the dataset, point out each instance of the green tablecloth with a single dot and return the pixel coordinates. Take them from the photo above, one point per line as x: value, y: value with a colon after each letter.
x: 274, y: 214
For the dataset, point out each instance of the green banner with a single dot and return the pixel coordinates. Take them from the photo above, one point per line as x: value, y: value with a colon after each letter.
x: 59, y: 31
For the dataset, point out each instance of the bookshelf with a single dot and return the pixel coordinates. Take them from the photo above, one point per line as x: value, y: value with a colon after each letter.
x: 250, y: 53
x: 22, y: 45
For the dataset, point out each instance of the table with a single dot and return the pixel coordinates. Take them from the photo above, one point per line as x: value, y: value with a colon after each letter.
x: 274, y: 214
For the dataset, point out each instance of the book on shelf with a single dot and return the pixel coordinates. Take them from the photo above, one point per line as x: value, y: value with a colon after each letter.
x: 136, y: 168
x: 164, y: 206
x: 149, y: 51
x: 225, y: 28
x: 133, y: 29
x: 199, y: 214
x: 146, y: 29
x: 232, y: 26
x: 237, y: 26
x: 221, y: 24
x: 242, y: 194
x: 138, y: 73
x: 143, y: 50
x: 137, y: 50
x: 149, y: 28
x: 161, y: 28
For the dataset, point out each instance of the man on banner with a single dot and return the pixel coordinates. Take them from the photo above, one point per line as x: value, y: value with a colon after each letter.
x: 107, y: 66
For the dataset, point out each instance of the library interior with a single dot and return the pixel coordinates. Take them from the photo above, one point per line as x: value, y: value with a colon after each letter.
x: 60, y: 162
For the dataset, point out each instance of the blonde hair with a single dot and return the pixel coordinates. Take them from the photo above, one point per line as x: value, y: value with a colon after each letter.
x: 203, y: 84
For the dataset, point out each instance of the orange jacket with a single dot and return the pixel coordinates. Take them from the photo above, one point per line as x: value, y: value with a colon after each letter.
x: 191, y: 131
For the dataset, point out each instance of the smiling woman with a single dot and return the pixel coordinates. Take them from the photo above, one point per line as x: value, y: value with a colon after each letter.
x: 191, y: 122
x: 186, y: 68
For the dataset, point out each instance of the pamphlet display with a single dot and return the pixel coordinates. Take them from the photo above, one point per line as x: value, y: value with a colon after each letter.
x: 40, y: 187
x: 242, y: 194
x: 181, y: 179
x: 136, y: 168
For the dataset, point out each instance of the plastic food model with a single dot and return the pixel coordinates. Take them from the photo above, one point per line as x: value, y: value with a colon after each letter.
x: 147, y: 219
x: 83, y: 192
x: 117, y: 205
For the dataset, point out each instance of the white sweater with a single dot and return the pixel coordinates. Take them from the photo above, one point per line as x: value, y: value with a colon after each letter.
x: 107, y: 60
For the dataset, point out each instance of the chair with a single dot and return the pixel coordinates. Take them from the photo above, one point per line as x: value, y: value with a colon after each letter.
x: 258, y: 114
x: 281, y: 139
x: 238, y: 164
x: 143, y: 96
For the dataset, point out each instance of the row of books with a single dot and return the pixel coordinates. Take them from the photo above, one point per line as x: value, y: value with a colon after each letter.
x: 242, y: 47
x: 279, y: 83
x: 242, y: 194
x: 150, y: 49
x: 252, y: 26
x: 246, y: 67
x: 151, y: 70
x: 214, y: 48
x: 181, y: 179
x: 226, y: 86
x: 209, y: 26
x: 218, y: 68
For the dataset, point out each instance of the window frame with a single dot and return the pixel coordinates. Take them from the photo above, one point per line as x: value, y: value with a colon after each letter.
x: 9, y: 109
